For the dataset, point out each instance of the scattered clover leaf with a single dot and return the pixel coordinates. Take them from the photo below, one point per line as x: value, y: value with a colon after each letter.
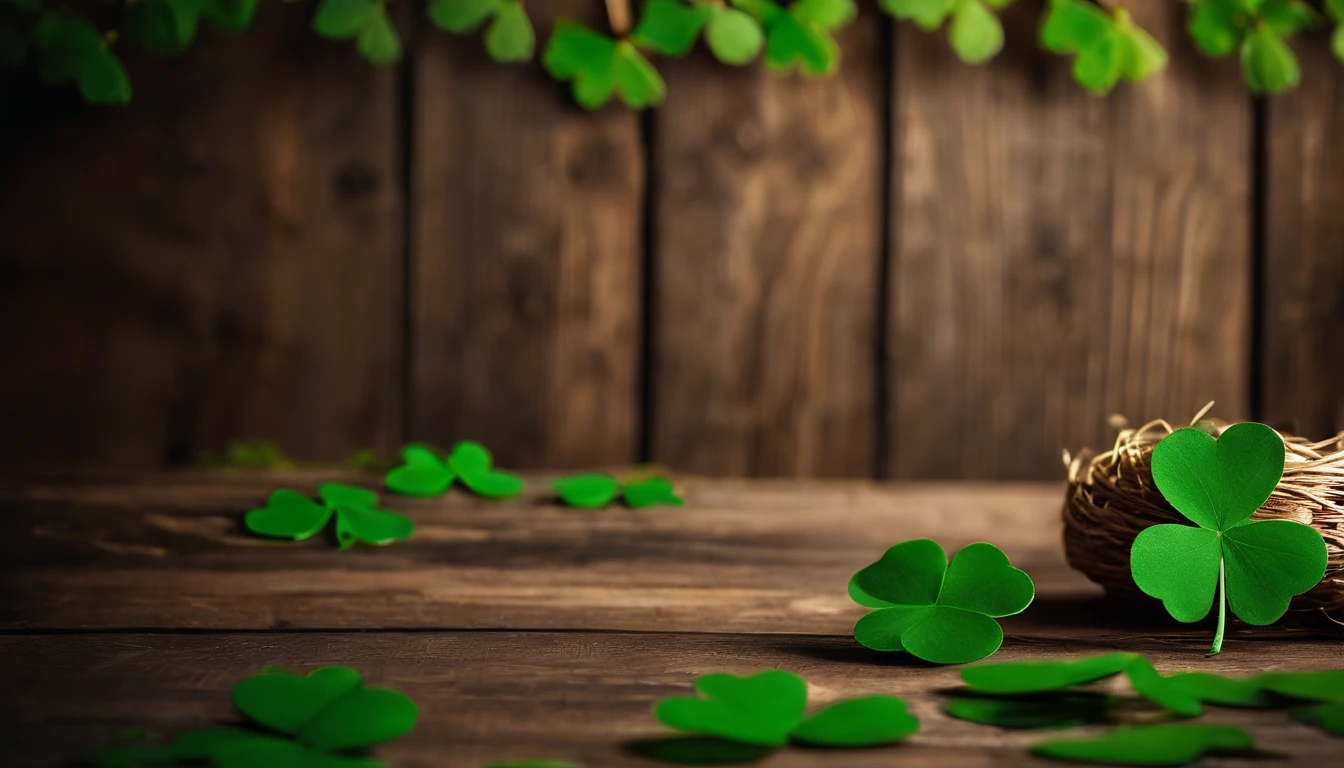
x: 329, y: 709
x: 475, y: 466
x: 801, y: 36
x: 587, y: 491
x: 1328, y: 717
x: 1053, y: 710
x: 734, y: 37
x: 1217, y: 484
x: 1326, y: 686
x: 423, y: 472
x: 69, y: 49
x: 364, y: 21
x: 767, y: 710
x: 1152, y: 745
x: 1151, y: 685
x: 975, y: 32
x: 671, y: 27
x: 1259, y: 28
x: 651, y: 493
x: 938, y: 612
x: 426, y: 472
x: 1224, y: 691
x: 289, y: 514
x: 510, y: 36
x: 1029, y: 677
x: 599, y: 67
x: 162, y: 26
x: 1108, y: 47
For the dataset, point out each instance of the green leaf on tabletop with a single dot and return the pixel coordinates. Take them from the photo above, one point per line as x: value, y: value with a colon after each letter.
x: 510, y: 37
x: 1053, y: 710
x: 1267, y: 63
x: 733, y: 36
x: 461, y: 16
x: 653, y: 492
x: 866, y: 722
x: 104, y: 80
x: 587, y: 491
x: 343, y: 19
x: 941, y: 613
x: 329, y: 709
x: 1152, y: 745
x: 338, y: 494
x: 761, y: 709
x: 670, y: 27
x: 289, y: 515
x: 371, y: 526
x: 1151, y: 685
x: 1255, y: 567
x: 975, y: 33
x: 1326, y: 686
x: 1216, y: 25
x: 475, y: 466
x: 1329, y: 717
x: 379, y: 42
x: 230, y: 15
x: 1026, y: 677
x: 292, y: 515
x: 857, y: 594
x: 1224, y: 691
x: 1285, y: 17
x: 422, y: 473
x: 162, y: 26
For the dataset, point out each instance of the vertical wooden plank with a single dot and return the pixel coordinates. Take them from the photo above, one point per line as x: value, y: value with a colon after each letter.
x: 767, y: 248
x: 526, y: 258
x: 221, y: 259
x: 1060, y: 257
x: 1304, y: 253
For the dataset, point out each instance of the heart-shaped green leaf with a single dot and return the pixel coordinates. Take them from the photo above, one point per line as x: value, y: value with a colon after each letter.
x: 378, y: 42
x: 669, y: 27
x: 651, y: 493
x: 1160, y: 690
x: 734, y: 37
x: 343, y: 19
x: 422, y: 473
x: 1218, y: 483
x: 371, y: 526
x: 1152, y: 745
x: 461, y: 16
x: 290, y: 515
x: 761, y: 709
x: 867, y: 722
x: 493, y: 484
x: 587, y: 491
x: 1224, y: 691
x: 1042, y: 711
x: 470, y: 457
x: 361, y: 718
x: 1326, y: 686
x: 338, y: 495
x: 329, y: 709
x: 939, y: 612
x: 510, y: 37
x: 1026, y: 677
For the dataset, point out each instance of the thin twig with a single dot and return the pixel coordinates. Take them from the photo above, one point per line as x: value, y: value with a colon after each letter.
x: 618, y: 16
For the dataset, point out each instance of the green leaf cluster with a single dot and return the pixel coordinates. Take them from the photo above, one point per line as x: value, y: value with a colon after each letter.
x: 1107, y: 47
x: 425, y: 471
x: 801, y: 37
x: 671, y: 27
x: 1217, y: 484
x: 169, y: 26
x: 312, y: 721
x: 597, y: 491
x: 939, y: 612
x: 768, y: 710
x: 364, y: 21
x: 67, y: 48
x: 1030, y: 678
x: 598, y: 67
x: 290, y: 514
x: 1259, y: 29
x: 975, y: 33
x: 509, y: 36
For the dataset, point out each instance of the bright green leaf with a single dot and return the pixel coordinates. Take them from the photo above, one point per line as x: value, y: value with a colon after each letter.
x: 1337, y: 42
x: 329, y: 709
x: 574, y: 52
x: 1224, y: 691
x: 371, y: 526
x: 1152, y: 745
x: 762, y: 709
x: 510, y: 37
x: 975, y: 33
x: 793, y: 43
x: 1285, y: 17
x: 867, y: 722
x: 587, y: 491
x: 1072, y: 25
x: 1267, y: 63
x: 638, y: 81
x: 461, y: 16
x: 670, y: 27
x: 928, y: 15
x: 1026, y: 677
x: 422, y: 473
x: 653, y: 492
x: 290, y: 515
x: 733, y: 36
x: 468, y: 456
x: 825, y: 15
x: 338, y: 494
x: 378, y: 42
x: 1214, y: 24
x: 343, y: 19
x: 1160, y: 690
x: 1141, y: 55
x: 1326, y: 686
x: 1042, y: 711
x: 1097, y: 67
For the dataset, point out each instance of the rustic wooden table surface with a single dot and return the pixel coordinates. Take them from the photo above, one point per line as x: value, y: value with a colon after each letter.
x: 524, y: 629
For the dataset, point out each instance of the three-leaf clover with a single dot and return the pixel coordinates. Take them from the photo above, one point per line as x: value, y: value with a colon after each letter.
x: 597, y: 491
x: 1258, y: 28
x: 976, y: 35
x: 768, y: 709
x: 938, y: 612
x: 1107, y: 47
x: 290, y: 514
x: 364, y: 21
x: 68, y: 48
x: 426, y: 472
x: 1217, y: 484
x: 1152, y: 745
x: 1017, y: 678
x: 599, y: 67
x: 510, y: 36
x: 671, y: 27
x: 801, y: 35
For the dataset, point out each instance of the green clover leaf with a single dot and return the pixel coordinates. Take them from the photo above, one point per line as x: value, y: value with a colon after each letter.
x: 162, y: 26
x: 1258, y: 28
x: 761, y: 709
x: 1053, y: 710
x: 801, y: 36
x: 461, y: 16
x: 1328, y: 717
x: 290, y: 514
x: 734, y: 37
x: 329, y: 709
x: 1107, y: 47
x: 1334, y: 9
x: 865, y: 722
x: 1218, y: 484
x: 473, y: 463
x: 364, y: 21
x: 1152, y: 745
x: 230, y: 15
x: 68, y: 48
x: 599, y: 67
x: 510, y: 37
x: 1223, y: 691
x: 670, y: 27
x: 587, y: 491
x: 1326, y: 686
x: 938, y: 612
x: 975, y: 33
x: 422, y: 473
x: 425, y: 472
x: 650, y: 493
x: 1267, y: 62
x: 1030, y: 677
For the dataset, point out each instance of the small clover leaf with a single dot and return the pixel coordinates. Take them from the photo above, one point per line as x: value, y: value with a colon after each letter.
x: 162, y: 26
x: 1258, y: 28
x: 1031, y: 677
x: 761, y: 709
x: 1152, y: 745
x: 510, y: 37
x: 599, y: 67
x: 975, y: 33
x: 587, y: 491
x: 364, y: 21
x: 1256, y: 566
x: 330, y: 709
x: 461, y: 16
x: 423, y: 472
x: 289, y: 514
x: 292, y: 515
x: 733, y: 37
x: 1223, y: 691
x: 670, y: 27
x: 800, y: 36
x: 1108, y: 47
x: 865, y: 722
x: 938, y: 612
x: 474, y: 464
x: 68, y: 48
x: 650, y: 493
x: 1326, y: 686
x: 1051, y: 710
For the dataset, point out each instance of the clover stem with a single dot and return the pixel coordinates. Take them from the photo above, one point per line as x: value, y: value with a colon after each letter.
x: 618, y: 16
x: 1222, y: 608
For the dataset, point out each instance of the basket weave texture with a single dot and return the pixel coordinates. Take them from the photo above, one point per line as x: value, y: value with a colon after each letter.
x: 1112, y: 497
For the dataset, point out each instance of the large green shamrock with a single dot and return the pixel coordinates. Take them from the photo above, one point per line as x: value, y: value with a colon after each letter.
x: 801, y: 35
x: 1259, y: 28
x: 424, y: 472
x: 976, y: 35
x: 671, y: 27
x: 1218, y: 484
x: 290, y: 514
x: 600, y: 67
x: 938, y: 612
x: 1109, y: 47
x: 767, y: 709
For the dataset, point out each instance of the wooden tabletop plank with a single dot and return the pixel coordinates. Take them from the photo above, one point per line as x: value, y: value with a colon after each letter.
x: 154, y: 551
x: 581, y: 696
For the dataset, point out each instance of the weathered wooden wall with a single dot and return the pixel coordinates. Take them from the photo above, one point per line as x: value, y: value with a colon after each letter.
x: 914, y: 269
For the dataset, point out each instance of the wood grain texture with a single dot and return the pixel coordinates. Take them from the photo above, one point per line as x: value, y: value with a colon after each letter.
x: 491, y: 696
x: 170, y: 552
x: 1303, y: 271
x: 526, y: 282
x: 1058, y: 257
x: 767, y: 249
x: 218, y: 260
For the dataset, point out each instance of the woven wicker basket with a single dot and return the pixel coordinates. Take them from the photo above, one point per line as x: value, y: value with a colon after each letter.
x: 1112, y: 497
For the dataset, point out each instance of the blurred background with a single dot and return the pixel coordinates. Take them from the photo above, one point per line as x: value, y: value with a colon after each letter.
x: 914, y: 269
